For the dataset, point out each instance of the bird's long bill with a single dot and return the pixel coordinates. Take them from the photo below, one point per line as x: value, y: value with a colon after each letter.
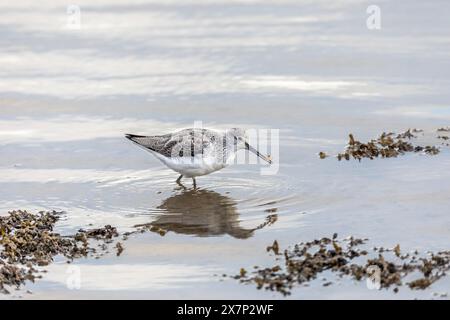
x: 249, y: 147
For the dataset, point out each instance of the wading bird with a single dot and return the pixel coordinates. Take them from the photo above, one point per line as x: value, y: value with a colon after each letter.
x: 195, y: 152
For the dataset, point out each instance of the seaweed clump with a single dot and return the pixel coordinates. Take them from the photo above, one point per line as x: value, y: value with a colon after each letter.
x: 305, y: 261
x: 387, y: 145
x: 12, y: 275
x: 28, y: 240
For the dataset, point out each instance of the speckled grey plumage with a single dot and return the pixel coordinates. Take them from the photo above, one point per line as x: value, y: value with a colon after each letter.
x: 188, y: 143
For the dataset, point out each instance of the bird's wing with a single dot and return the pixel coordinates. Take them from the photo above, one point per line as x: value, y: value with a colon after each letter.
x: 184, y: 143
x: 190, y: 142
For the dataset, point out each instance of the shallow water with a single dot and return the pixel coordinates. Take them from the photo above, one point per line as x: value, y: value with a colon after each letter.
x: 308, y: 68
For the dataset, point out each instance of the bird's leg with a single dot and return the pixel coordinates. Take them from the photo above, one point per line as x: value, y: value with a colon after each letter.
x: 194, y: 183
x: 178, y: 181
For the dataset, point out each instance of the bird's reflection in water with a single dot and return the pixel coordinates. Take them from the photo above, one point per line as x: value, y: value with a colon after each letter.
x: 202, y: 213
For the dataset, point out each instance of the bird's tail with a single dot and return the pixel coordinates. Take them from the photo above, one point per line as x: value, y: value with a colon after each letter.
x: 146, y: 142
x: 132, y: 137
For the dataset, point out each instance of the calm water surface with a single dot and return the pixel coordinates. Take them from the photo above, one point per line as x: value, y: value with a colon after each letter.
x: 309, y: 68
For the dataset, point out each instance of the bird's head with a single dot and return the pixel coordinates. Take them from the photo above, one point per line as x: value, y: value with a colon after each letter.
x: 240, y: 138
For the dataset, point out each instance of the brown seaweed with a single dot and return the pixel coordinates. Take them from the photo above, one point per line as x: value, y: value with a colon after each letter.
x: 305, y: 261
x: 387, y: 145
x: 28, y: 240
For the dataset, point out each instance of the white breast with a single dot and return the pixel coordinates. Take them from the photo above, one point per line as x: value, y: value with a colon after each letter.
x: 192, y: 167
